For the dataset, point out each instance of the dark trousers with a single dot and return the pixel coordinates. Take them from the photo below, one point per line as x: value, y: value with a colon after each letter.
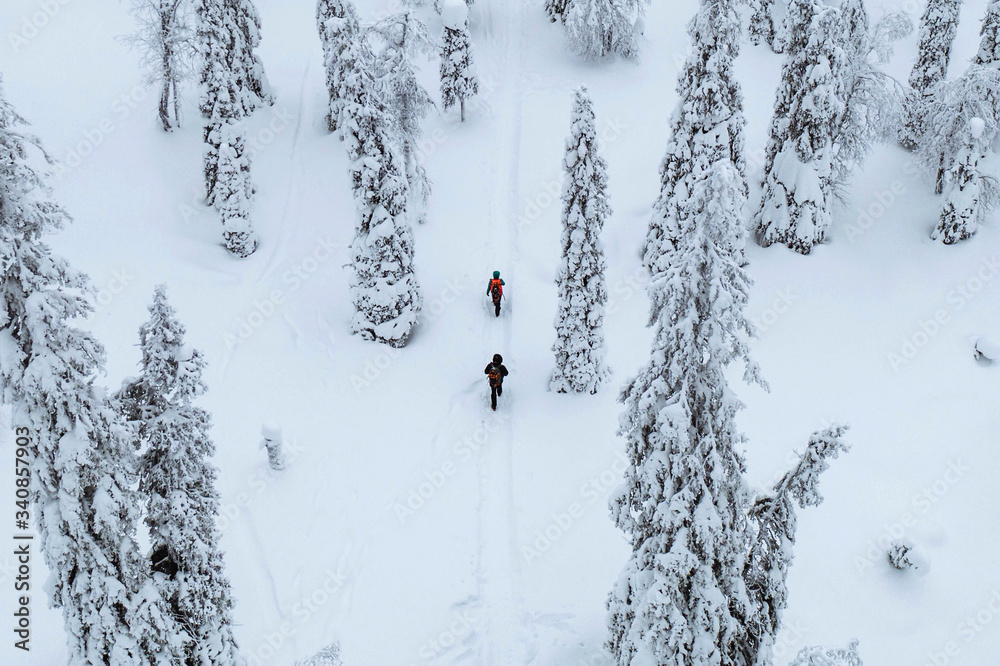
x: 496, y: 304
x: 497, y: 389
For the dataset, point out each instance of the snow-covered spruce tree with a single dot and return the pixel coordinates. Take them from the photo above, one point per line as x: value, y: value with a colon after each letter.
x: 799, y: 23
x: 762, y: 23
x: 233, y: 188
x: 579, y: 347
x: 962, y: 121
x: 683, y: 505
x: 177, y: 481
x: 83, y: 469
x: 796, y: 206
x: 234, y: 85
x: 228, y: 36
x: 458, y: 79
x: 165, y: 41
x: 384, y: 288
x: 873, y: 100
x: 707, y: 124
x: 399, y: 39
x: 938, y: 27
x: 337, y: 22
x: 968, y: 192
x: 603, y: 28
x: 792, y: 33
x: 773, y: 523
x: 556, y: 10
x: 989, y: 43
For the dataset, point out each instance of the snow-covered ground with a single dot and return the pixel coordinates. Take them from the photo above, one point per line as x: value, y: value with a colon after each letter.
x: 412, y: 524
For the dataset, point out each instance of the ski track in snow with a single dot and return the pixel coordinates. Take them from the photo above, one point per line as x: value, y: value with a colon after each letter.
x: 262, y: 557
x: 501, y: 639
x: 294, y: 177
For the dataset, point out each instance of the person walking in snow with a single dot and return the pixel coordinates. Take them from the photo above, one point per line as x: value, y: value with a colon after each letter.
x: 496, y: 372
x: 495, y: 290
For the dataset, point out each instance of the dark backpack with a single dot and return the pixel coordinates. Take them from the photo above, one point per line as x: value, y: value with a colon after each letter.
x: 494, y: 375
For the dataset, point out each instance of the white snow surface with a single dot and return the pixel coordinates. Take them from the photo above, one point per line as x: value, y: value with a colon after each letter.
x: 988, y: 347
x: 270, y: 430
x: 454, y: 14
x: 413, y: 525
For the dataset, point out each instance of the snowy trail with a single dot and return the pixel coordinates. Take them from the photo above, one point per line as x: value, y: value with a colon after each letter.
x: 296, y: 169
x: 498, y: 574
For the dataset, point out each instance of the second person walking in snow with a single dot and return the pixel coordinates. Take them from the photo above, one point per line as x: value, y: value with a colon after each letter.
x: 496, y: 372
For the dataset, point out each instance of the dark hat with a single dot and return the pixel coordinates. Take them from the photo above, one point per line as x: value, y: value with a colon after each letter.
x: 497, y: 358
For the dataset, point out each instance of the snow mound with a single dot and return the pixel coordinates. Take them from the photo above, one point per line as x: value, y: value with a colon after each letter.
x: 976, y: 127
x: 271, y: 430
x: 988, y: 348
x: 454, y: 14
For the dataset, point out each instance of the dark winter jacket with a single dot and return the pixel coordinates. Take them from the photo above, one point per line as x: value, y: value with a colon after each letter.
x: 501, y: 370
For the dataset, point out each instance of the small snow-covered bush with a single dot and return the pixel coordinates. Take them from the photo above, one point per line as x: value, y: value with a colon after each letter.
x: 899, y: 555
x: 328, y: 656
x: 817, y: 656
x: 988, y: 348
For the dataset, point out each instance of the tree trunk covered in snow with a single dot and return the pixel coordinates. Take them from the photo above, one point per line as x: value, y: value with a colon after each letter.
x: 579, y: 347
x: 938, y: 27
x: 989, y: 44
x: 338, y: 26
x: 169, y: 81
x: 165, y: 41
x: 458, y: 80
x: 796, y: 206
x: 962, y: 121
x: 964, y: 207
x: 603, y: 28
